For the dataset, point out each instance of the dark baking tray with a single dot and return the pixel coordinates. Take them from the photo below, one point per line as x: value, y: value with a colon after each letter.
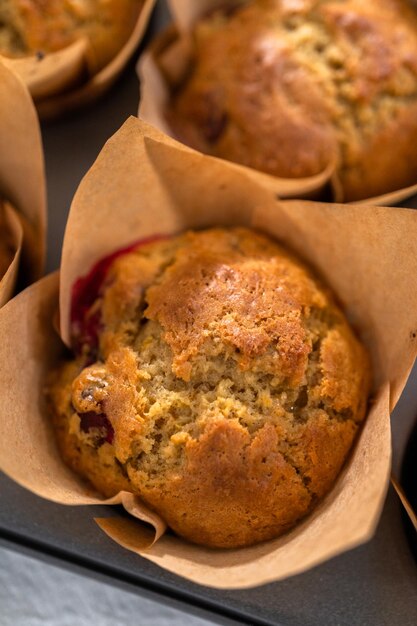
x: 374, y: 585
x: 409, y: 484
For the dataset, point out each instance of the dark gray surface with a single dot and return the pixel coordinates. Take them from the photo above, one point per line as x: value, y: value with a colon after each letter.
x: 31, y: 595
x: 375, y: 584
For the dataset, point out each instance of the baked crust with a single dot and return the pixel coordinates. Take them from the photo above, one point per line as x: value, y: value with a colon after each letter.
x: 286, y: 87
x: 227, y: 391
x: 29, y: 27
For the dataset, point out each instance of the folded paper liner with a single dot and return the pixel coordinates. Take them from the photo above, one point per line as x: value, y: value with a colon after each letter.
x: 54, y: 80
x: 166, y: 63
x: 22, y: 181
x: 11, y: 223
x: 144, y: 184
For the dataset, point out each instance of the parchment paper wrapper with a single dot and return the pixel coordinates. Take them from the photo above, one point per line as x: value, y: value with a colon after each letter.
x: 22, y: 183
x: 57, y: 81
x: 145, y: 184
x: 11, y: 235
x: 166, y: 63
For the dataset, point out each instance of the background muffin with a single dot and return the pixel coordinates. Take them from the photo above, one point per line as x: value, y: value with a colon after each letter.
x: 29, y: 27
x: 225, y: 386
x: 284, y: 87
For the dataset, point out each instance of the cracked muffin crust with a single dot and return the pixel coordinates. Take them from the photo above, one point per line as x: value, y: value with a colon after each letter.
x: 29, y: 27
x: 285, y: 86
x: 217, y: 379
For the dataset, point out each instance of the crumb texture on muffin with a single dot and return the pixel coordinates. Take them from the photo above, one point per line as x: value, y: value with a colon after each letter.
x: 29, y: 27
x: 306, y: 82
x: 227, y: 390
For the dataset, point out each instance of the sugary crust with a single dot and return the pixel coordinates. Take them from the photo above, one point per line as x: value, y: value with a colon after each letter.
x: 28, y: 27
x: 239, y: 304
x: 237, y: 490
x: 212, y: 500
x: 306, y: 82
x: 229, y: 387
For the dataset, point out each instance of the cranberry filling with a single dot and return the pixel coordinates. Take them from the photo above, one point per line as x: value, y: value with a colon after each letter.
x: 97, y: 420
x: 214, y: 125
x: 86, y: 325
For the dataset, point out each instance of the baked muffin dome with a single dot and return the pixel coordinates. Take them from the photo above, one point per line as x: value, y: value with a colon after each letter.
x: 226, y: 387
x: 29, y: 27
x: 286, y: 87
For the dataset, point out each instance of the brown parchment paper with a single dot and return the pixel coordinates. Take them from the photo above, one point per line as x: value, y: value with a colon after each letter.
x: 166, y: 62
x: 11, y: 230
x: 54, y: 81
x: 53, y: 73
x: 22, y: 179
x: 147, y: 184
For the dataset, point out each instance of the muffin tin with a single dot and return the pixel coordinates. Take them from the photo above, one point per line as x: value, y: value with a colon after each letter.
x: 374, y: 584
x: 409, y: 483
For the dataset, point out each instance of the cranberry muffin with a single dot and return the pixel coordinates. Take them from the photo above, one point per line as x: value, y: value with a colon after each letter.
x: 29, y: 27
x: 287, y: 87
x: 216, y: 378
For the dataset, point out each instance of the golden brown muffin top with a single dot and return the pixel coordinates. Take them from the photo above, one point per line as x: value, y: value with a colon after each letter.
x: 285, y: 86
x: 29, y: 27
x: 234, y: 290
x: 217, y: 301
x: 231, y: 295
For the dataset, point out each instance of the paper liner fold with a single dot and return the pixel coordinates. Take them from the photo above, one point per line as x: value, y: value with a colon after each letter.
x: 15, y: 234
x: 53, y: 73
x: 22, y: 179
x: 60, y: 81
x: 165, y: 63
x: 146, y: 184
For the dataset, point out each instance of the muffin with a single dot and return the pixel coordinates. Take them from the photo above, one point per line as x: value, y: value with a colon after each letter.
x: 288, y: 87
x: 29, y: 27
x: 216, y: 378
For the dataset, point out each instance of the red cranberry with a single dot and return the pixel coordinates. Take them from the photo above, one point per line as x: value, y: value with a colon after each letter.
x: 86, y: 326
x: 97, y: 420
